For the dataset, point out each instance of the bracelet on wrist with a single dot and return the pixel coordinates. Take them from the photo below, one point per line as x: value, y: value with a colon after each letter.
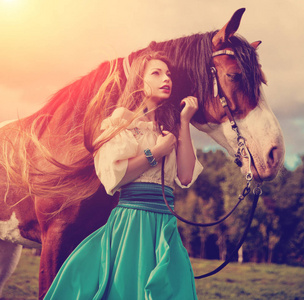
x: 151, y: 159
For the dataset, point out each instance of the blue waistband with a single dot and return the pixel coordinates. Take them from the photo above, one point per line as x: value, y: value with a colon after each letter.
x: 146, y: 196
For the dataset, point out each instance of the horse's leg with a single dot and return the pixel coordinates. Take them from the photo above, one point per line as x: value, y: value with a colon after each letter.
x: 58, y: 241
x: 9, y: 257
x: 63, y: 232
x: 50, y: 261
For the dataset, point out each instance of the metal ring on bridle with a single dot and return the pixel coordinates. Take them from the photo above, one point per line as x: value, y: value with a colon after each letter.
x: 258, y: 191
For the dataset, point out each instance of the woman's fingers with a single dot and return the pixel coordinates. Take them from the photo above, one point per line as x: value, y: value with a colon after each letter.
x: 190, y: 108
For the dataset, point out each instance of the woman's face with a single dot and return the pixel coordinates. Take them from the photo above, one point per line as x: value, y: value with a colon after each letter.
x: 157, y: 81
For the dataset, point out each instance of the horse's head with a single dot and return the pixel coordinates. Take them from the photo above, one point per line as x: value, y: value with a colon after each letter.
x: 236, y: 77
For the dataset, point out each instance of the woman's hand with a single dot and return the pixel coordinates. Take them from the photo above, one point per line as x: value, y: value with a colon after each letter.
x: 139, y: 164
x: 164, y: 145
x: 189, y: 109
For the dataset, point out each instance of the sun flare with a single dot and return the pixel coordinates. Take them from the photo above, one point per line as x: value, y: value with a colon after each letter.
x: 8, y: 1
x: 13, y: 10
x: 11, y: 4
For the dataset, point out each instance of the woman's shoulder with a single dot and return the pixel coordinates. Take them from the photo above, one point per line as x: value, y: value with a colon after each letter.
x: 122, y: 113
x: 118, y: 117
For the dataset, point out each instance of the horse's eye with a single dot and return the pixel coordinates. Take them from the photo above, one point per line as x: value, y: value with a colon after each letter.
x: 234, y: 76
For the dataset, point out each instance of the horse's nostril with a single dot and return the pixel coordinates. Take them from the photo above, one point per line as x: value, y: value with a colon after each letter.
x: 272, y: 157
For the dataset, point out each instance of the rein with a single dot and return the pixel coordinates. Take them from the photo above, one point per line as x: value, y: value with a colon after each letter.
x: 242, y: 151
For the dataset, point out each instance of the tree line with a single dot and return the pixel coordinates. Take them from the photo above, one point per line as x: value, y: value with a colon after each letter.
x: 277, y: 230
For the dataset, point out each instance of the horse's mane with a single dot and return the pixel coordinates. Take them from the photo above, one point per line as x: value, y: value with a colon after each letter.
x: 187, y: 55
x: 248, y: 61
x: 72, y: 100
x: 191, y: 59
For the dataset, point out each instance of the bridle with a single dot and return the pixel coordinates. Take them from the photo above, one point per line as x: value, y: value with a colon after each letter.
x: 242, y: 151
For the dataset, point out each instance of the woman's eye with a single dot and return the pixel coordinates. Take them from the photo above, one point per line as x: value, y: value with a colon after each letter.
x: 155, y: 73
x: 234, y: 76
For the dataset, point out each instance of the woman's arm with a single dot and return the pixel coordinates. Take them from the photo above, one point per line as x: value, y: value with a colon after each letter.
x: 139, y: 164
x: 185, y: 154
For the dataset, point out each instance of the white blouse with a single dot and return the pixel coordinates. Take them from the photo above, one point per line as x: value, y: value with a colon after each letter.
x: 111, y: 160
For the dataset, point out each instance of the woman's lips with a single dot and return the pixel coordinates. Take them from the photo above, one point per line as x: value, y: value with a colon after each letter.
x: 166, y: 88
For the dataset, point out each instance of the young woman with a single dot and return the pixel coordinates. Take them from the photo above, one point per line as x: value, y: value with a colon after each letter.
x: 138, y: 254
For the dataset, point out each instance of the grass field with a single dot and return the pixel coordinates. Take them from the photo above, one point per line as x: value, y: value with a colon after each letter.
x: 246, y: 281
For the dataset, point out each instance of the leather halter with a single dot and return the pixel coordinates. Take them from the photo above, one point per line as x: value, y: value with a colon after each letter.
x: 216, y: 89
x: 242, y: 148
x: 241, y: 152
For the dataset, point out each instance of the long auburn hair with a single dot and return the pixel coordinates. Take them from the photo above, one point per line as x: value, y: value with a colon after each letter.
x: 48, y: 177
x: 132, y: 97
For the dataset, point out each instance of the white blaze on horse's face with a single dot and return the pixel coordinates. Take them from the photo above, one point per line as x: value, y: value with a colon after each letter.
x: 263, y: 137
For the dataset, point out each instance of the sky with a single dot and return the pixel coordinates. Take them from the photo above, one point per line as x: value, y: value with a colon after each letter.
x: 48, y: 44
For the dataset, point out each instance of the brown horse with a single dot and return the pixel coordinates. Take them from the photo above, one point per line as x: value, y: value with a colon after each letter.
x: 239, y: 78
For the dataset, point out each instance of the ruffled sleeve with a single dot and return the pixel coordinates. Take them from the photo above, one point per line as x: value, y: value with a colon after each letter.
x: 198, y: 168
x: 111, y: 160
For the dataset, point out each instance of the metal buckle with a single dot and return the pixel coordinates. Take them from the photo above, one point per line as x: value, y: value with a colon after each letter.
x: 223, y: 52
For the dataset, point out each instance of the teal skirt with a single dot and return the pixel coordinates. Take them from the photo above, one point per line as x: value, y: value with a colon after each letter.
x: 137, y: 254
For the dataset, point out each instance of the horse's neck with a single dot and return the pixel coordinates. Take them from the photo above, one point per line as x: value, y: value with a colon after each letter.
x: 66, y: 109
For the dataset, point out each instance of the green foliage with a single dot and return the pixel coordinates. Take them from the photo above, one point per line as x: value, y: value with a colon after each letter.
x: 277, y: 231
x: 287, y: 193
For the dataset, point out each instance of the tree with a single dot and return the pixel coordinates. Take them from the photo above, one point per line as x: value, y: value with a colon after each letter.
x: 277, y: 231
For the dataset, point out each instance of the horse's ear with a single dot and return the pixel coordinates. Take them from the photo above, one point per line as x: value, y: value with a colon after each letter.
x: 256, y: 44
x: 152, y: 46
x: 228, y: 30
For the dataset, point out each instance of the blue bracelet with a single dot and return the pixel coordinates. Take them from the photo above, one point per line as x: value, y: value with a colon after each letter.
x: 151, y: 159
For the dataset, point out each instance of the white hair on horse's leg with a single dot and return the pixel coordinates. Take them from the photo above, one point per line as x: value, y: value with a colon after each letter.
x: 9, y: 257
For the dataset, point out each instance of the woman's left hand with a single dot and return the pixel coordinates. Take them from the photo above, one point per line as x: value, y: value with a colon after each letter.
x: 189, y: 109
